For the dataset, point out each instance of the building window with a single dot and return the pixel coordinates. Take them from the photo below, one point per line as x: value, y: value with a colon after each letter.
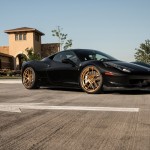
x: 20, y: 36
x: 16, y: 37
x: 37, y: 38
x: 24, y: 36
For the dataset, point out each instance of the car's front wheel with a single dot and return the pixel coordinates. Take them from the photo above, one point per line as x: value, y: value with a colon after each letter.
x: 91, y: 80
x: 29, y: 78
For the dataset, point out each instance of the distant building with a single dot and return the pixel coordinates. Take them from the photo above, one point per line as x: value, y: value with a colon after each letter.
x: 19, y: 39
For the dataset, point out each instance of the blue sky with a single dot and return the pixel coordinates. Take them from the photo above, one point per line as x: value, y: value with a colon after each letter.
x: 115, y: 27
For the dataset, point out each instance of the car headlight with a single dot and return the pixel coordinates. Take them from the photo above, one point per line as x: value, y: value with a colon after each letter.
x: 119, y: 67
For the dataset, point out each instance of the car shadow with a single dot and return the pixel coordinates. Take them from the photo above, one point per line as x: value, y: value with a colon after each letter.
x: 115, y: 92
x: 128, y: 92
x: 62, y: 89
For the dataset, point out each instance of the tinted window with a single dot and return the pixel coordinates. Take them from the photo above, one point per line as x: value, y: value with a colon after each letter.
x: 85, y: 55
x: 66, y: 55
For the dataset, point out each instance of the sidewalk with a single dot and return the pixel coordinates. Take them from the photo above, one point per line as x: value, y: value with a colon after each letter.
x: 10, y: 81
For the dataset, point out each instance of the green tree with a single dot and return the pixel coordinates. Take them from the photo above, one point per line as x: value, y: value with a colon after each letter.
x: 31, y: 55
x: 62, y: 38
x: 143, y: 53
x: 68, y: 44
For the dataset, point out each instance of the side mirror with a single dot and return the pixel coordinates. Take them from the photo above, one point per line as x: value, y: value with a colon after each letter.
x: 68, y: 61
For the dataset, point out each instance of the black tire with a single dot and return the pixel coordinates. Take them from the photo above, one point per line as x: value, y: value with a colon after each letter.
x: 91, y: 80
x: 29, y: 78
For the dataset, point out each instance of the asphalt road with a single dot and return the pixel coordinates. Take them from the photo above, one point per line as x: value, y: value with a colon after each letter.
x: 28, y: 122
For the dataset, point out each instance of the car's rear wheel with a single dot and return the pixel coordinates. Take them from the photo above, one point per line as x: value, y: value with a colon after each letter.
x: 29, y: 78
x: 91, y: 80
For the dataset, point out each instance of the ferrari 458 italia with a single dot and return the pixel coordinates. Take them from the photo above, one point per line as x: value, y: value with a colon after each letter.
x: 90, y: 70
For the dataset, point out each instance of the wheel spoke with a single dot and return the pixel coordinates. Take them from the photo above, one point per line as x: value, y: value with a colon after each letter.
x: 91, y: 79
x: 28, y: 77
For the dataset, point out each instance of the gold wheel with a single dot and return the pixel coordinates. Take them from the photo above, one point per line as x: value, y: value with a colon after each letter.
x: 28, y: 78
x: 91, y: 79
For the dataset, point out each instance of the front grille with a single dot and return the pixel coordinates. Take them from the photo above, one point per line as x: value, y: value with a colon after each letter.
x: 136, y: 81
x: 139, y: 82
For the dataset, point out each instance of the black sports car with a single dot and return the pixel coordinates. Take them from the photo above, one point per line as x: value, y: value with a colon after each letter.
x: 91, y: 70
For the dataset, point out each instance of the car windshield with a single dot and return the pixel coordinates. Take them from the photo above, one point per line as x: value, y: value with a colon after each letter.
x: 85, y: 55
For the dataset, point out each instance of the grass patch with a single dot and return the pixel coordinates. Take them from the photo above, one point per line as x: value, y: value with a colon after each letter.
x: 9, y: 77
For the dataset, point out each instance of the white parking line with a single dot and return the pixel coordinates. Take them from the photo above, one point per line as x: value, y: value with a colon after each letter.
x: 12, y: 107
x: 85, y: 108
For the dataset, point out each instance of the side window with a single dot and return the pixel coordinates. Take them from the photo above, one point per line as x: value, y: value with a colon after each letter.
x: 98, y: 57
x: 66, y: 55
x: 70, y: 55
x: 59, y: 57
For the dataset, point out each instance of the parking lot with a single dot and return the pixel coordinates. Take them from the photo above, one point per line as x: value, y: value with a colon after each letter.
x: 59, y: 119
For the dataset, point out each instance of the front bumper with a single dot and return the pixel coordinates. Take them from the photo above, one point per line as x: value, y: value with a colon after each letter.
x: 128, y: 81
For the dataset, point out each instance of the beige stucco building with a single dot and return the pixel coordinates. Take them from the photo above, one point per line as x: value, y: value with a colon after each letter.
x: 21, y: 39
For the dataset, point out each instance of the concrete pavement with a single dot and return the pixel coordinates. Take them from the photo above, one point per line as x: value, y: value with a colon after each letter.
x: 73, y: 130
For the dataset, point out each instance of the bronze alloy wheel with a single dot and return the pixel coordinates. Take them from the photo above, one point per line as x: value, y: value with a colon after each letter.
x: 28, y: 78
x: 91, y: 79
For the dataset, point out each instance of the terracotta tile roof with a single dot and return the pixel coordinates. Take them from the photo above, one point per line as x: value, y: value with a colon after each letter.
x: 6, y: 55
x: 23, y: 29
